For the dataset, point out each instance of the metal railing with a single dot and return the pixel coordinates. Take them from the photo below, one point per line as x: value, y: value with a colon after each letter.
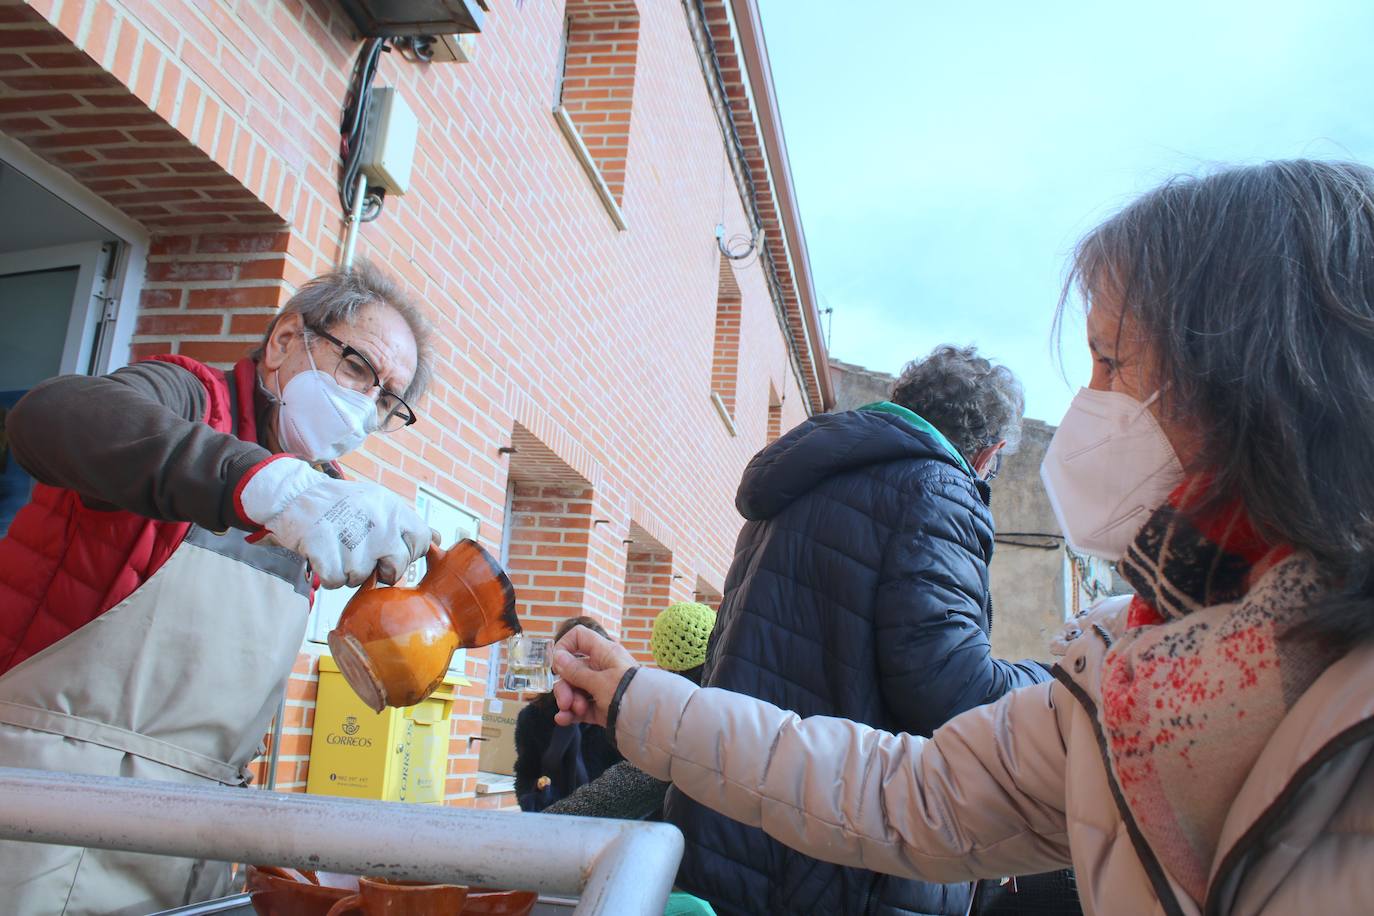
x: 613, y: 867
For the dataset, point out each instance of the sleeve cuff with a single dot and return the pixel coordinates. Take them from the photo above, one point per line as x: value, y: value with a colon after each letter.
x: 613, y: 714
x: 240, y: 515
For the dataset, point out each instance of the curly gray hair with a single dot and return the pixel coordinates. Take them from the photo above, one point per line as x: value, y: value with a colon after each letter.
x: 972, y: 401
x: 336, y: 297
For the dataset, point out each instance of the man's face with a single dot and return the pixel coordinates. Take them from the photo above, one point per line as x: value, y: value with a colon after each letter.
x: 379, y: 333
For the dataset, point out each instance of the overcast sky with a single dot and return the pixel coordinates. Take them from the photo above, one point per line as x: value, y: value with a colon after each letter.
x: 947, y: 155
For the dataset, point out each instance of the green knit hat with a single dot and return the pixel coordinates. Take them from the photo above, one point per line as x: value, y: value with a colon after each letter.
x: 680, y: 634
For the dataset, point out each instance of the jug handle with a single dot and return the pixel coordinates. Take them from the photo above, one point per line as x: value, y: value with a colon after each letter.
x: 433, y: 555
x: 346, y: 905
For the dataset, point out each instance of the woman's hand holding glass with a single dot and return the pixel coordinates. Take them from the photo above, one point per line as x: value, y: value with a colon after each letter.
x: 590, y: 668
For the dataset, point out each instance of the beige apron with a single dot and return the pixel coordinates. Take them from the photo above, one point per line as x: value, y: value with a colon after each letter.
x: 177, y: 682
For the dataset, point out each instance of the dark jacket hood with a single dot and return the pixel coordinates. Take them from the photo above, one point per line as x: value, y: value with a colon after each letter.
x: 828, y: 445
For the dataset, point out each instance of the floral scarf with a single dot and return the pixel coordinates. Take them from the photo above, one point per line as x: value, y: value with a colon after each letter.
x: 1204, y: 673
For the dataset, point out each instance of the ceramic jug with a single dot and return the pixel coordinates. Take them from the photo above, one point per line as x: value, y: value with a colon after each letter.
x: 393, y: 645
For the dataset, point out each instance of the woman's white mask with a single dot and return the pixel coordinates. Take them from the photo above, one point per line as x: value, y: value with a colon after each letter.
x: 1107, y: 468
x: 320, y: 420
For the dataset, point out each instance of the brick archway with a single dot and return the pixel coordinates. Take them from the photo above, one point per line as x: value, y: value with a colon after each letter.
x: 154, y: 143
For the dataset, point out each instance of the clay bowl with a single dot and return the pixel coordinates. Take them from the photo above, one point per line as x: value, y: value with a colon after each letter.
x: 287, y: 892
x: 383, y: 897
x: 393, y: 645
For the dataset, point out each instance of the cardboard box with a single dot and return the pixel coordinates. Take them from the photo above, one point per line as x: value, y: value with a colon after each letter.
x: 497, y: 754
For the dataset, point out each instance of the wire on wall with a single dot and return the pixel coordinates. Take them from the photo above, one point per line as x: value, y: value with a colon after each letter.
x: 739, y: 163
x: 353, y: 132
x: 738, y: 247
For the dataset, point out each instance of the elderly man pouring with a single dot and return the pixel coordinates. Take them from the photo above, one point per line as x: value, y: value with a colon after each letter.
x: 154, y: 591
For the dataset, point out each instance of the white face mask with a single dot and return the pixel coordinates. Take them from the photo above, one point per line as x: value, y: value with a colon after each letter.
x: 1108, y: 467
x: 318, y: 419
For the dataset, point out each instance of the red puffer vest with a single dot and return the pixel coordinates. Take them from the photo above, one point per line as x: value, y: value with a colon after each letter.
x: 63, y: 564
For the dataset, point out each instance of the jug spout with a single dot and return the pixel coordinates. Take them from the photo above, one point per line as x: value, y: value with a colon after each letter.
x: 475, y: 592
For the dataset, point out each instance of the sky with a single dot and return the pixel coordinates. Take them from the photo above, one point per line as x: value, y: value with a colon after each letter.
x: 947, y: 156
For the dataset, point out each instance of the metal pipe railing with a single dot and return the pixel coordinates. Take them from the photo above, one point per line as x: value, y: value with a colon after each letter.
x: 615, y: 867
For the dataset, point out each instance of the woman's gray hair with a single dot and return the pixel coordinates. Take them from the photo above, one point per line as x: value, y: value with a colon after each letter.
x: 1254, y: 288
x: 974, y: 402
x: 336, y: 298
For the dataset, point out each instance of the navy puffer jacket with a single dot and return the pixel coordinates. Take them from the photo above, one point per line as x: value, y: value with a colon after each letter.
x: 859, y: 589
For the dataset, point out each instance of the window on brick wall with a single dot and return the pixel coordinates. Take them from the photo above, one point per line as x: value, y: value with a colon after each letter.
x: 596, y: 90
x: 648, y: 586
x: 725, y: 362
x: 774, y: 413
x: 708, y: 594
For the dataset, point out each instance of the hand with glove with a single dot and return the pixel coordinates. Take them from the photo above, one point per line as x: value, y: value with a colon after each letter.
x: 346, y: 529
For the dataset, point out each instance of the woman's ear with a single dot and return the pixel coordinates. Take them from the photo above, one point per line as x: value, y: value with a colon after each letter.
x: 288, y: 329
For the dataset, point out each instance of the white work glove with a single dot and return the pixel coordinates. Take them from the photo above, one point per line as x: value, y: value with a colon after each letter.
x: 346, y: 529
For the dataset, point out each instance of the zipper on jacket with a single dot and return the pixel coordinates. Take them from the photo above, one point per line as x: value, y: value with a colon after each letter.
x: 1358, y: 732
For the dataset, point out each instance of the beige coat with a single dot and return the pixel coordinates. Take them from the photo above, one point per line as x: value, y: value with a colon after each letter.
x: 1020, y: 786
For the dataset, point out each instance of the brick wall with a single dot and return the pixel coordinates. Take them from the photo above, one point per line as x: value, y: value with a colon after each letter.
x: 707, y: 595
x: 588, y: 350
x: 211, y: 296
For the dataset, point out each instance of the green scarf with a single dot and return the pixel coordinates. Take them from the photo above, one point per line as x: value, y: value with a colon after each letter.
x: 924, y: 425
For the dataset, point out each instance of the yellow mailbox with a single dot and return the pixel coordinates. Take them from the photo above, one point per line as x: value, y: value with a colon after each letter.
x: 395, y: 755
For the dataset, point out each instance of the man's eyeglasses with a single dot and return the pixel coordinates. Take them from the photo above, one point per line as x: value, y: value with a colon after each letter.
x: 354, y: 372
x: 996, y: 467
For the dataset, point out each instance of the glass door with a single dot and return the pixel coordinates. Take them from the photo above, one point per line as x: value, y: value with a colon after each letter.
x: 54, y: 309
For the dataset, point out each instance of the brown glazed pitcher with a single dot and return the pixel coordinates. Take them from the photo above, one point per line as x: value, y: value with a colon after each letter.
x: 393, y: 645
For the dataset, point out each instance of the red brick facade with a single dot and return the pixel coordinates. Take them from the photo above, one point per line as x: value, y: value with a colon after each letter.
x: 577, y: 361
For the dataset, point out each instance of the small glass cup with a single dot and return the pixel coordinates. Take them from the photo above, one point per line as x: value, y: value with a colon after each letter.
x: 529, y: 664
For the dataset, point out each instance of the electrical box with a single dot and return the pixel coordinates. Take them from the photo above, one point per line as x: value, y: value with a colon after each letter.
x: 392, y: 131
x: 396, y: 755
x: 393, y: 18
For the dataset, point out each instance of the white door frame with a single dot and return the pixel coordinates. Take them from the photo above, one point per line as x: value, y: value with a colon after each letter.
x: 133, y: 255
x: 85, y: 310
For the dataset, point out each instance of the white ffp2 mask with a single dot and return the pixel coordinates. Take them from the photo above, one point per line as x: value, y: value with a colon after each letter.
x: 1107, y: 468
x: 320, y: 420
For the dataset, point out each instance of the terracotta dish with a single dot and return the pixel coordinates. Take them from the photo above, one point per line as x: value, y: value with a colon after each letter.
x: 482, y: 902
x: 288, y: 892
x: 381, y: 897
x: 393, y: 645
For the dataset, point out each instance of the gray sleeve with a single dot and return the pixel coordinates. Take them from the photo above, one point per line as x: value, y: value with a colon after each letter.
x: 622, y: 791
x: 133, y: 440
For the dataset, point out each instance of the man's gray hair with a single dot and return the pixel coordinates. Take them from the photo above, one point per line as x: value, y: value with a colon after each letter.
x: 972, y: 401
x: 336, y: 298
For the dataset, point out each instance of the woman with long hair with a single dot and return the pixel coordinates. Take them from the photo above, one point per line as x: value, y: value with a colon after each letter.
x: 553, y: 760
x: 1206, y: 746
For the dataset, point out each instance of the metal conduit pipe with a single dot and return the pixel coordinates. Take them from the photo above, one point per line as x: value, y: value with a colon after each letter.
x: 615, y: 867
